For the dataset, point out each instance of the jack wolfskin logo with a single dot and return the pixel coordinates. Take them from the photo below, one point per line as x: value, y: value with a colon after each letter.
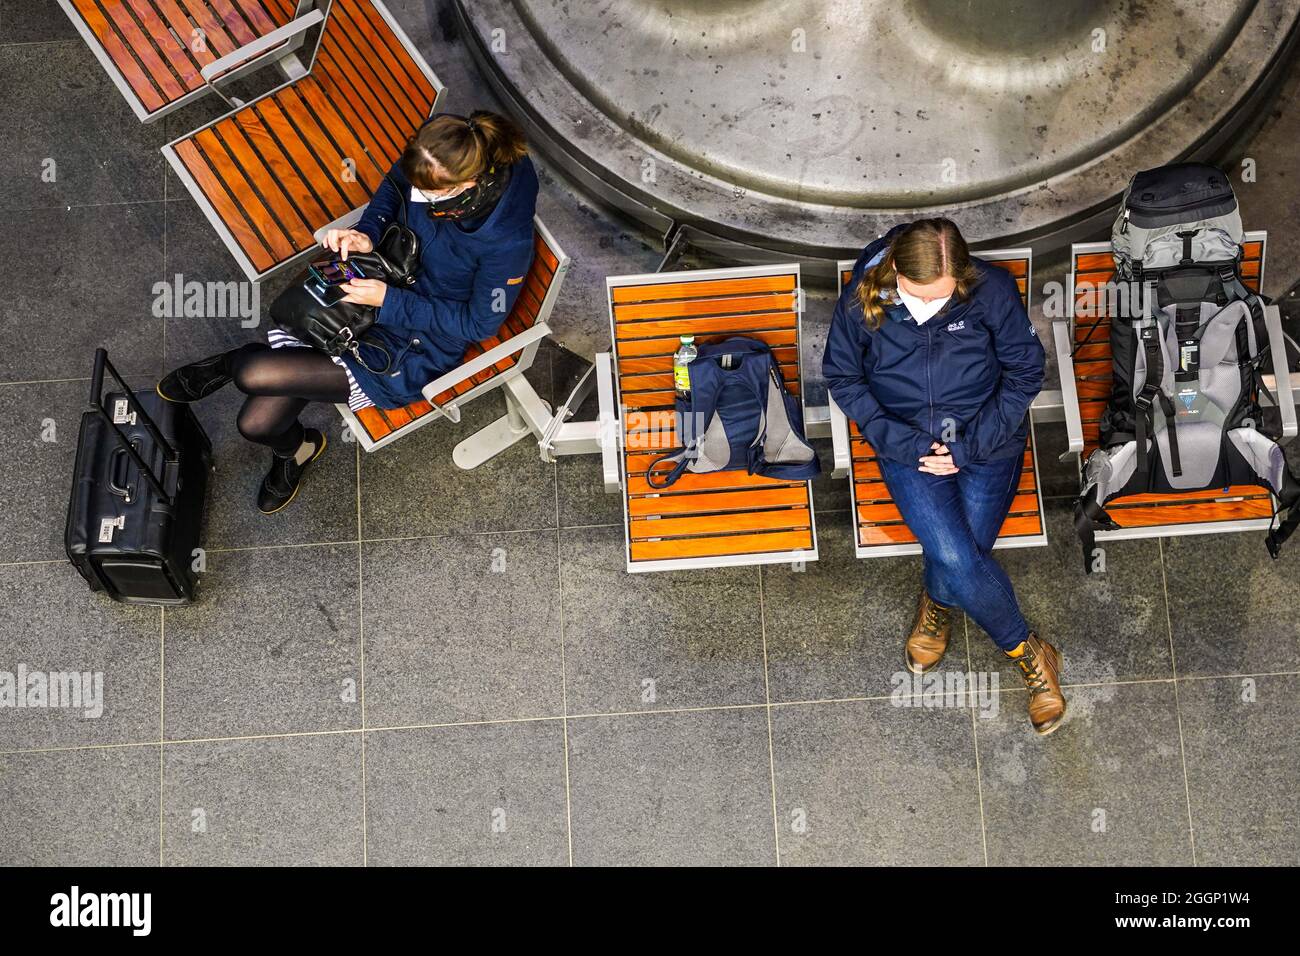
x: 957, y: 326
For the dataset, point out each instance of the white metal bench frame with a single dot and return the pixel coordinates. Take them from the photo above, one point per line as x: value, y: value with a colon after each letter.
x: 844, y: 450
x: 526, y: 412
x: 1063, y: 339
x: 608, y: 432
x: 343, y: 222
x: 278, y: 47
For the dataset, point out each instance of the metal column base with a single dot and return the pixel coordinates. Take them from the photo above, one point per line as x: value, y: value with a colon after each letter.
x: 487, y: 443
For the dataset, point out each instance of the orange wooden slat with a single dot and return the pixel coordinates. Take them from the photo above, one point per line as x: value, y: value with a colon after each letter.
x: 304, y: 200
x: 136, y: 77
x: 275, y: 121
x: 234, y: 21
x: 405, y: 97
x: 701, y: 288
x: 888, y: 511
x: 230, y: 214
x: 777, y: 520
x: 880, y: 534
x: 373, y: 99
x: 340, y: 82
x: 750, y: 500
x: 330, y: 156
x: 635, y: 315
x: 668, y: 344
x: 724, y: 545
x: 224, y: 166
x: 330, y: 113
x: 732, y: 324
x: 712, y: 481
x: 176, y: 53
x: 1175, y: 514
x: 545, y: 254
x: 142, y: 47
x: 422, y: 84
x: 269, y: 185
x: 374, y: 422
x: 214, y: 33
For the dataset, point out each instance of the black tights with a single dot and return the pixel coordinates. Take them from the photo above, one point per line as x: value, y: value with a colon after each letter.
x: 279, y: 384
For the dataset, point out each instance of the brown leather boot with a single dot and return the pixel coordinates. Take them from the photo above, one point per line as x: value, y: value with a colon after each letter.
x: 1040, y: 665
x: 929, y: 637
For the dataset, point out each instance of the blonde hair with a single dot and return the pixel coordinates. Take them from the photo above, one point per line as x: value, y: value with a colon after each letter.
x: 925, y: 251
x: 452, y: 149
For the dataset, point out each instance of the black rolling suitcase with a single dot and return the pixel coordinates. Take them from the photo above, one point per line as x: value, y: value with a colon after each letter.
x: 138, y: 492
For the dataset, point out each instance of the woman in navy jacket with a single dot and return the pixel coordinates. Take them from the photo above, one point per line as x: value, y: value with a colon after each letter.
x: 931, y: 353
x: 466, y: 187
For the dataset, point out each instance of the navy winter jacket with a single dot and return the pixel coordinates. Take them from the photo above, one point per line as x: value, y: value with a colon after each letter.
x: 473, y: 272
x: 965, y: 378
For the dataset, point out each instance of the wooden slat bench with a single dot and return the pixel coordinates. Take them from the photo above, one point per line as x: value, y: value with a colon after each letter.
x: 498, y: 361
x: 1239, y: 507
x: 163, y: 54
x: 706, y: 520
x: 314, y: 150
x: 881, y: 530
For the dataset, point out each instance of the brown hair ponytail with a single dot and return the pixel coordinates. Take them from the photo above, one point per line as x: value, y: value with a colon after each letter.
x: 451, y: 149
x: 926, y: 250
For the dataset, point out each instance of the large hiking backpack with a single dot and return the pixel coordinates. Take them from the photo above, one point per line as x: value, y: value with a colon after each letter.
x: 1184, y: 412
x: 738, y: 416
x: 1182, y: 213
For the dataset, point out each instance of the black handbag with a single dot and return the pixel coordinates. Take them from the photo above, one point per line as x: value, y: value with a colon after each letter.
x: 341, y: 327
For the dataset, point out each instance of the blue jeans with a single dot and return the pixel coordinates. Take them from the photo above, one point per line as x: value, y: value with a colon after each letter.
x: 957, y: 518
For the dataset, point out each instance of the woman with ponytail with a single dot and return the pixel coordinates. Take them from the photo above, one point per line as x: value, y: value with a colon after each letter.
x: 931, y: 353
x: 466, y: 187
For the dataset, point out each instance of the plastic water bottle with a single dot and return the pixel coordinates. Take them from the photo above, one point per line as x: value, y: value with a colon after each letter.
x: 684, y: 356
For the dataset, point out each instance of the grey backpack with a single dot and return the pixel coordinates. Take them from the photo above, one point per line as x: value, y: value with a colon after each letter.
x: 1182, y: 213
x: 1187, y: 417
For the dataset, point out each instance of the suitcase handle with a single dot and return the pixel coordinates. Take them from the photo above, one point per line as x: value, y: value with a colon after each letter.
x: 123, y: 488
x: 97, y: 405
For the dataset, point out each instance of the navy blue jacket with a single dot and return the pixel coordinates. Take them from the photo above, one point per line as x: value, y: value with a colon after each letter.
x: 473, y: 272
x: 965, y: 378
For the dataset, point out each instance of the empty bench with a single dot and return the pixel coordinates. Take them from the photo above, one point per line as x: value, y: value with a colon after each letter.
x: 721, y: 519
x: 163, y: 54
x: 497, y: 362
x: 1083, y: 353
x: 879, y: 527
x: 314, y: 150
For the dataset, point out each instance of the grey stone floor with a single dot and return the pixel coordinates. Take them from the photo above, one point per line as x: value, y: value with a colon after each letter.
x: 415, y: 664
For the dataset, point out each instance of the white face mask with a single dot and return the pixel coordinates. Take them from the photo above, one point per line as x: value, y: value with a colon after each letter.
x: 921, y: 310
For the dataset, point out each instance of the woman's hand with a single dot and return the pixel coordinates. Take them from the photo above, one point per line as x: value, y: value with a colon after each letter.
x: 344, y: 241
x: 938, y: 463
x: 365, y: 291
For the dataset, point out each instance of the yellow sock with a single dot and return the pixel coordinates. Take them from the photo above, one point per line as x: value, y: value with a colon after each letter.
x: 1019, y: 649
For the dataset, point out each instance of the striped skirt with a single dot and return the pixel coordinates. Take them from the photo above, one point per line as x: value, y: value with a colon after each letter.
x: 357, y: 399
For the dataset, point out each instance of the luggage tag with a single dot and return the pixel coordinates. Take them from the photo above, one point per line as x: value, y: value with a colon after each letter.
x: 122, y: 414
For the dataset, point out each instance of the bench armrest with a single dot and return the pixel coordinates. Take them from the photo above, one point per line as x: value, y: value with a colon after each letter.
x: 262, y: 45
x: 479, y: 363
x: 1281, y: 371
x: 608, y: 422
x: 1069, y: 393
x: 840, y: 441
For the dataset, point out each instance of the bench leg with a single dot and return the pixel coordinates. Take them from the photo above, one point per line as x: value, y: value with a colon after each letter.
x: 513, y: 426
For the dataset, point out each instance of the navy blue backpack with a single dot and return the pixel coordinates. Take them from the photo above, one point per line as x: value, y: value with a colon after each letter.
x: 738, y: 417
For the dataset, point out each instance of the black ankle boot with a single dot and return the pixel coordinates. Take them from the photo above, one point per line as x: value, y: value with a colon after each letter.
x: 281, y: 483
x: 197, y: 380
